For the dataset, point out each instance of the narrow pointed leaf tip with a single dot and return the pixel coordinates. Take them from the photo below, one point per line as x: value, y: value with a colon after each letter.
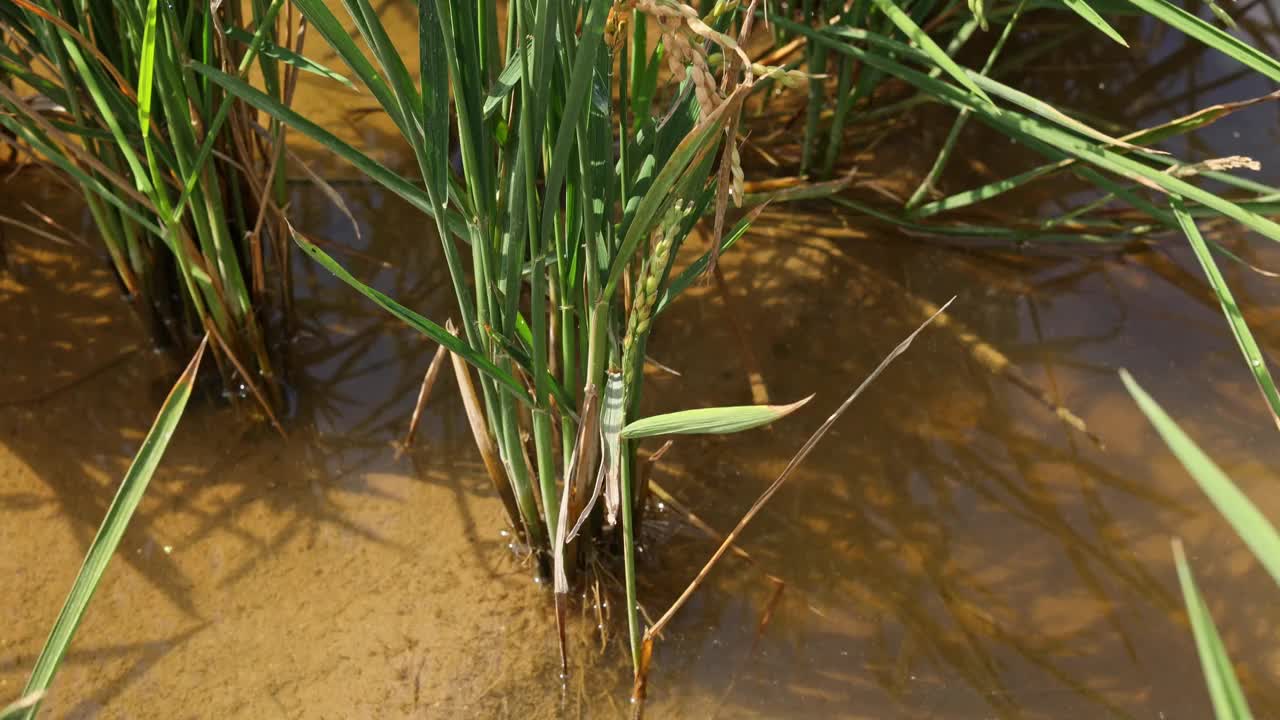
x: 1248, y: 521
x: 1224, y: 688
x: 710, y: 421
x: 128, y: 496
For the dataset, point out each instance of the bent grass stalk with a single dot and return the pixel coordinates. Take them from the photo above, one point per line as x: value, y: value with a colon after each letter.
x: 655, y: 630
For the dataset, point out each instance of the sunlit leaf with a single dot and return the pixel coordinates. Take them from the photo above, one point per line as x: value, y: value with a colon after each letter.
x: 1252, y: 526
x: 710, y: 421
x: 1224, y: 689
x: 109, y: 534
x: 1091, y: 16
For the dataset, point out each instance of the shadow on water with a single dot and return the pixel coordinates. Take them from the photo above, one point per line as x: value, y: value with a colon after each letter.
x: 952, y: 548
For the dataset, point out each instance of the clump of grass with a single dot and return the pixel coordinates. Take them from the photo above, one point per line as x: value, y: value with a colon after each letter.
x: 866, y: 43
x: 182, y: 184
x: 575, y: 193
x: 1140, y: 192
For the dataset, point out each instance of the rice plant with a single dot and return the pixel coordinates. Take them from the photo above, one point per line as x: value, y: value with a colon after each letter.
x: 586, y: 159
x: 182, y: 184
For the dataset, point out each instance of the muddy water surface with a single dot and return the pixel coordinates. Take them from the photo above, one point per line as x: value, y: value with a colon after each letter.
x: 952, y: 550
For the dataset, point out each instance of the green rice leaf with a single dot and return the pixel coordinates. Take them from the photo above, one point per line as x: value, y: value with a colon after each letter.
x: 1210, y: 35
x: 1091, y: 16
x: 109, y: 193
x: 1046, y: 138
x: 1050, y: 113
x: 416, y: 321
x: 290, y: 57
x: 112, y: 530
x: 1000, y: 90
x: 710, y: 421
x: 147, y: 69
x: 213, y: 129
x: 506, y: 82
x: 435, y: 102
x: 319, y: 16
x: 926, y: 43
x: 1252, y: 526
x: 1239, y: 328
x: 575, y: 104
x: 1224, y: 689
x: 393, y: 67
x: 1147, y: 136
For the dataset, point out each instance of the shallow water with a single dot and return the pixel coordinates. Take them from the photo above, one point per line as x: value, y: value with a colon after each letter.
x: 952, y: 549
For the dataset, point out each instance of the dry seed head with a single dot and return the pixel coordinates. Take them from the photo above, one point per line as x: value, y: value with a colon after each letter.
x: 738, y: 183
x: 676, y: 65
x: 1233, y: 162
x: 683, y: 34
